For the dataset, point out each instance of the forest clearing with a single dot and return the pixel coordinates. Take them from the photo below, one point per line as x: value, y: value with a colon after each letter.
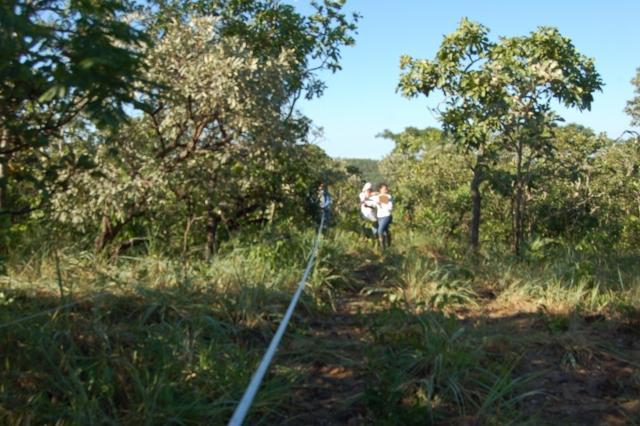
x: 162, y: 192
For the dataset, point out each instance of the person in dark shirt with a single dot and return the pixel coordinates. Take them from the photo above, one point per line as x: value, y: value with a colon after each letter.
x: 324, y: 202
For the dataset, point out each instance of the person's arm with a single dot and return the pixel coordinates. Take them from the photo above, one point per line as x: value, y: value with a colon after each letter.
x: 368, y: 202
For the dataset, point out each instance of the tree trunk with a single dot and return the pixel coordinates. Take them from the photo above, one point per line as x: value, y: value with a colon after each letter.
x: 476, y: 205
x: 517, y: 221
x: 109, y: 231
x: 127, y: 244
x: 105, y: 235
x: 517, y: 227
x: 272, y: 212
x: 212, y: 228
x: 5, y: 221
x: 187, y: 230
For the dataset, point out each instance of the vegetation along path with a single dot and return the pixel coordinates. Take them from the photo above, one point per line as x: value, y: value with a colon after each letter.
x: 410, y: 337
x: 335, y: 375
x: 415, y: 341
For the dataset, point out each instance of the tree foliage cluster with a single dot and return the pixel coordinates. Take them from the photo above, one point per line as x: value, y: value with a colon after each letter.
x: 503, y: 160
x: 368, y: 169
x: 174, y: 119
x: 585, y: 194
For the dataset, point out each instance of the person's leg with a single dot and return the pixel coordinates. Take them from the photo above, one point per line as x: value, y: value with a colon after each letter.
x: 327, y: 218
x: 366, y: 229
x: 388, y: 232
x: 383, y: 224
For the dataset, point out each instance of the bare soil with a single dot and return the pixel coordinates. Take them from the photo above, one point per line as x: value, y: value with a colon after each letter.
x: 331, y: 393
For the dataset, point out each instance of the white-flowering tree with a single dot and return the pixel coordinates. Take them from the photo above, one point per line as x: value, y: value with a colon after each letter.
x: 212, y: 144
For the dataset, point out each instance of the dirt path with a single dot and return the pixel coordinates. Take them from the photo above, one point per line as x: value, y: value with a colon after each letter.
x: 331, y: 393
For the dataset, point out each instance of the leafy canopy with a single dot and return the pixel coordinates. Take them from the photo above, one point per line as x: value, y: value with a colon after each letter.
x: 633, y: 106
x: 495, y: 87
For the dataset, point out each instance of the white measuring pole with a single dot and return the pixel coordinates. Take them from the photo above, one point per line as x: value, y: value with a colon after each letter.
x: 245, y: 403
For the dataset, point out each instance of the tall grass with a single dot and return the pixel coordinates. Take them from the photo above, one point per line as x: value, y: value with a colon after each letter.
x: 564, y: 280
x: 169, y: 342
x: 560, y: 277
x: 426, y: 366
x: 175, y: 341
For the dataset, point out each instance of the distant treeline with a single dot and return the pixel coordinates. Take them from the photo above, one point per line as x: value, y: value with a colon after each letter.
x: 366, y: 168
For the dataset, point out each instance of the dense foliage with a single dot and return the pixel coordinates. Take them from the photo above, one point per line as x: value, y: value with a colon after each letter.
x: 366, y: 168
x: 204, y: 132
x: 62, y: 63
x: 158, y: 198
x: 497, y: 102
x: 633, y: 106
x: 584, y: 193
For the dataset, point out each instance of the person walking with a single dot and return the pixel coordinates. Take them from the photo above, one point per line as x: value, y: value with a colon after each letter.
x: 325, y: 201
x: 384, y: 205
x: 368, y: 208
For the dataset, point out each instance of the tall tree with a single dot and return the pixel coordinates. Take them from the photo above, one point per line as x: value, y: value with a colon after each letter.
x: 221, y: 111
x: 458, y: 72
x: 529, y: 73
x: 497, y: 98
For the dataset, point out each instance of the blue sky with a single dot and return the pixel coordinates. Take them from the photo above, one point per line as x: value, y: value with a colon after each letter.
x: 361, y: 100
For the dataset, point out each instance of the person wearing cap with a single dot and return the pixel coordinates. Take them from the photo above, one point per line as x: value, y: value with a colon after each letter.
x: 368, y: 208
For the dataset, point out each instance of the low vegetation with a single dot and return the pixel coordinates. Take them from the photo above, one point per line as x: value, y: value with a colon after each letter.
x: 432, y: 339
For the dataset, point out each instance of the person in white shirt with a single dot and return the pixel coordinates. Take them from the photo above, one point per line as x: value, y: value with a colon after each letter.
x: 368, y: 208
x: 384, y: 206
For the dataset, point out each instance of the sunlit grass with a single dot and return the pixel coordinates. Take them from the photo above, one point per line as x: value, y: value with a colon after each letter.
x: 176, y: 340
x: 428, y: 366
x: 166, y: 341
